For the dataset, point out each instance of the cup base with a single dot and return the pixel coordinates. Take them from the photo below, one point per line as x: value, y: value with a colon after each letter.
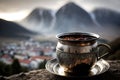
x: 98, y: 68
x: 80, y: 69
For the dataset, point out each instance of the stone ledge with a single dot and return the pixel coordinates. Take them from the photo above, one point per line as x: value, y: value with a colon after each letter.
x: 112, y: 74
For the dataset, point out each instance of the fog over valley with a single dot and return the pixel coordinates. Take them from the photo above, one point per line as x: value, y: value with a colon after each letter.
x: 46, y: 19
x: 71, y: 18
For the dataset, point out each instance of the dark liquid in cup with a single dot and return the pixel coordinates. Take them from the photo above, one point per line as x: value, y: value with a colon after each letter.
x: 77, y: 37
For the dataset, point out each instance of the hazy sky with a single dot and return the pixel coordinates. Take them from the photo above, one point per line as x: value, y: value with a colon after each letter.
x: 18, y: 9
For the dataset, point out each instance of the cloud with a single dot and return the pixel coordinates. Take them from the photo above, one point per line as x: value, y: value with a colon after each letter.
x: 15, y: 10
x: 92, y: 4
x: 14, y: 6
x: 14, y: 16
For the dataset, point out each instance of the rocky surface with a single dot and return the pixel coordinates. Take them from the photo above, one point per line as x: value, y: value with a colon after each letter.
x: 112, y: 74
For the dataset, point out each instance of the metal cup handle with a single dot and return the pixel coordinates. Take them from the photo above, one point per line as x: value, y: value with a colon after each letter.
x: 104, y: 45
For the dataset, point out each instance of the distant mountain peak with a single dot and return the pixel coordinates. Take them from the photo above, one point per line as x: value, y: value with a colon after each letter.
x: 37, y: 15
x: 38, y: 19
x: 36, y: 10
x: 39, y: 10
x: 71, y: 7
x: 71, y: 4
x: 72, y: 16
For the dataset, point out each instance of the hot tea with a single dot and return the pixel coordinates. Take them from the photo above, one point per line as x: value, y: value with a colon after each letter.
x: 77, y: 52
x: 80, y: 37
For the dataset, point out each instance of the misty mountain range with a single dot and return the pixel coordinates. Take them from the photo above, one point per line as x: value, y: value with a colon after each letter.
x: 72, y: 17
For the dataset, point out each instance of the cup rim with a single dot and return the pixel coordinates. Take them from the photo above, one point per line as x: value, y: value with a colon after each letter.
x: 96, y: 36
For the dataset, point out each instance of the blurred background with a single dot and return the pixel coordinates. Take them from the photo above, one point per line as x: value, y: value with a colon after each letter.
x: 28, y: 29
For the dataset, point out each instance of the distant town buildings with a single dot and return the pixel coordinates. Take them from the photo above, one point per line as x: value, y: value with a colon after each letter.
x: 29, y: 53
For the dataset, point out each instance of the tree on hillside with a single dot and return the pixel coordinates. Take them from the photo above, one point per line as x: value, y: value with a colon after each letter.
x: 5, y: 70
x: 16, y: 67
x: 42, y: 65
x: 2, y: 66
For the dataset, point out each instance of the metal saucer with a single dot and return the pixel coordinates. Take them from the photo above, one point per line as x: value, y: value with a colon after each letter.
x: 98, y: 68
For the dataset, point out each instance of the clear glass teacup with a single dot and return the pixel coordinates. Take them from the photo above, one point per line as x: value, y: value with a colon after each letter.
x: 77, y: 52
